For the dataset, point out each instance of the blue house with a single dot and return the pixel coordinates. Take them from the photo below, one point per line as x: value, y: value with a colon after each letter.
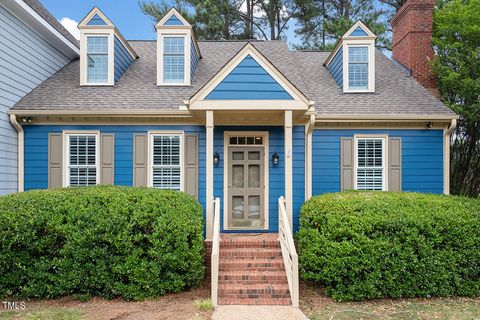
x: 33, y: 46
x: 250, y: 128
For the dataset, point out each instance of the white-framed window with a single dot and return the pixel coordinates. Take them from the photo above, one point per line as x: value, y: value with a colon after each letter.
x: 358, y: 67
x: 370, y: 163
x: 166, y: 161
x: 97, y: 59
x: 82, y: 159
x: 174, y: 59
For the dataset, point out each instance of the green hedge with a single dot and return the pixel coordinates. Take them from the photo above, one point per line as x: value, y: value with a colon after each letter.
x: 365, y: 245
x: 134, y: 243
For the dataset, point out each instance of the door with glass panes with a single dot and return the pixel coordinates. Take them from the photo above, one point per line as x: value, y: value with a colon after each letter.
x: 246, y: 188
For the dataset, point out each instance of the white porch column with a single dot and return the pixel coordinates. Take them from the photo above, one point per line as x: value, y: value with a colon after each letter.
x: 308, y: 156
x: 288, y: 165
x: 209, y: 190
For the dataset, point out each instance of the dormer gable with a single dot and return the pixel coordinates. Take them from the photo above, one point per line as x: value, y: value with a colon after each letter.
x: 105, y: 55
x: 177, y: 50
x: 352, y: 62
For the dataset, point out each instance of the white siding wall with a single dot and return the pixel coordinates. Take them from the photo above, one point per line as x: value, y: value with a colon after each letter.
x: 26, y: 59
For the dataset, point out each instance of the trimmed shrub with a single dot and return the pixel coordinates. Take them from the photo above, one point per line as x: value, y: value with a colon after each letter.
x: 365, y: 245
x: 134, y: 243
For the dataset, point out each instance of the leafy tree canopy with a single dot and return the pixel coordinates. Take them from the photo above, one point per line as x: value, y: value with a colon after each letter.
x: 456, y: 40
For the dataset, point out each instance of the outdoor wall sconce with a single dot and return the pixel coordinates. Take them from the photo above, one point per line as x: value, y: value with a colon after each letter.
x: 429, y: 124
x: 275, y: 159
x: 216, y: 159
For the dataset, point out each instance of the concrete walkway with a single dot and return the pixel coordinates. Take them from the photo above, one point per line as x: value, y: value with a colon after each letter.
x: 258, y: 313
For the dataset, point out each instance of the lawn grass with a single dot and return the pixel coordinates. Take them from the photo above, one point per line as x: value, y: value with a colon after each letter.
x: 317, y: 306
x: 45, y: 314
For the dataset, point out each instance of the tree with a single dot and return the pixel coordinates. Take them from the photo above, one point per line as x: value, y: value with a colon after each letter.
x: 456, y: 40
x: 330, y: 19
x: 211, y: 19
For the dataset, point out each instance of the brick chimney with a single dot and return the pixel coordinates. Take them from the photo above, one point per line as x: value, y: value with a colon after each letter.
x: 412, y: 40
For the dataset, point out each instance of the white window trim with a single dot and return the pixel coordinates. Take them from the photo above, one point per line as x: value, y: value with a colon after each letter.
x: 370, y: 44
x: 110, y: 34
x: 384, y: 139
x: 66, y: 153
x: 151, y: 135
x: 181, y: 32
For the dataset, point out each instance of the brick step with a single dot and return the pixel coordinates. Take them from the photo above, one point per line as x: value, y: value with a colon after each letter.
x: 260, y: 277
x: 259, y: 301
x: 249, y: 253
x: 252, y: 265
x: 254, y: 290
x: 243, y: 243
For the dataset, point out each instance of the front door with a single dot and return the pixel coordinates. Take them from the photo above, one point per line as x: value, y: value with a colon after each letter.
x: 246, y: 188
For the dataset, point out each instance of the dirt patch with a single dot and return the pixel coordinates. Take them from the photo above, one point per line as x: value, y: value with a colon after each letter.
x: 172, y: 307
x: 319, y: 307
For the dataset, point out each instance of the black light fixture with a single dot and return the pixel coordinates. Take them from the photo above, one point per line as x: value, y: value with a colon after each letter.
x: 429, y: 124
x: 216, y: 159
x: 275, y: 159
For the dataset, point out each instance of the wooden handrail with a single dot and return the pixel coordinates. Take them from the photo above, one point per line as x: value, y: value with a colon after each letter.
x: 289, y: 253
x: 215, y: 250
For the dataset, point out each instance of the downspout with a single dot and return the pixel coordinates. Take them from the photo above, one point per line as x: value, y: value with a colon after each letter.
x: 20, y: 152
x: 446, y: 154
x: 308, y: 156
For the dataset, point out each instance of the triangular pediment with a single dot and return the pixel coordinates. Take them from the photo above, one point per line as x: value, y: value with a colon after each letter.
x: 96, y: 21
x: 359, y: 29
x: 95, y: 18
x: 249, y: 76
x: 173, y: 18
x: 248, y: 81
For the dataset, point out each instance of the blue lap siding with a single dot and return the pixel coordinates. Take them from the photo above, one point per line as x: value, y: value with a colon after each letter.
x: 248, y: 81
x: 276, y: 174
x: 122, y: 59
x: 36, y: 159
x: 422, y: 159
x: 36, y: 152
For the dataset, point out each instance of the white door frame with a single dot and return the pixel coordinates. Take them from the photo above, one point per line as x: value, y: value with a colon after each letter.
x: 226, y: 144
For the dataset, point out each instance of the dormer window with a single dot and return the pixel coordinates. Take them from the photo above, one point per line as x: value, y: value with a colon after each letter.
x: 177, y: 50
x: 352, y: 62
x: 104, y: 54
x: 173, y: 59
x: 357, y: 68
x: 97, y: 56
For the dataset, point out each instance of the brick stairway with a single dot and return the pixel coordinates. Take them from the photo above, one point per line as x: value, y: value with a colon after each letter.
x: 251, y: 271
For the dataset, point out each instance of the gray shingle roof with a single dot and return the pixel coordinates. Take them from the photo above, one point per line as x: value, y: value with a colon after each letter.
x: 395, y: 92
x: 45, y: 14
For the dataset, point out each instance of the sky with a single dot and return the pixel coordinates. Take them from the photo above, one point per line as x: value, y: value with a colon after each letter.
x: 125, y: 14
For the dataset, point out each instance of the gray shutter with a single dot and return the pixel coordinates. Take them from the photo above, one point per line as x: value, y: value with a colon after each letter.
x: 140, y: 159
x: 347, y: 160
x: 394, y: 164
x: 55, y: 160
x: 191, y: 165
x: 107, y: 158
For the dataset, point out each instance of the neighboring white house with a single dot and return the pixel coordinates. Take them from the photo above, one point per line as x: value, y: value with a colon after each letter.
x: 33, y: 46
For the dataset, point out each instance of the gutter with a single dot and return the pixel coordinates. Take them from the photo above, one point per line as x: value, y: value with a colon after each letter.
x: 20, y: 152
x: 371, y: 117
x: 109, y: 113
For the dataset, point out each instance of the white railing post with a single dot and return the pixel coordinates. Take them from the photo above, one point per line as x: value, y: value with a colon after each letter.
x: 215, y: 250
x: 289, y: 253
